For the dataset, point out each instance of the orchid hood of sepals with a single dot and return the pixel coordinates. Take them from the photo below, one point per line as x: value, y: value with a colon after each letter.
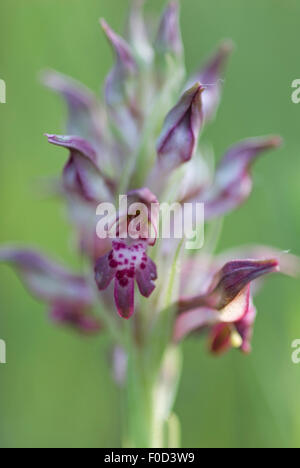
x: 169, y: 36
x: 232, y: 184
x: 179, y: 136
x: 69, y: 296
x: 81, y: 174
x: 126, y: 263
x: 146, y: 223
x: 229, y: 282
x: 289, y: 263
x: 210, y: 76
x: 137, y: 218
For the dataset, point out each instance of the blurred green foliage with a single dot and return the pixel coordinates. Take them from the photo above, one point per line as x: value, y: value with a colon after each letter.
x: 56, y: 390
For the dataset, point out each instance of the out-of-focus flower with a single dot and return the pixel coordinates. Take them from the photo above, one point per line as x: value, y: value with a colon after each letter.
x: 85, y: 117
x: 226, y: 307
x: 138, y: 36
x: 75, y: 316
x: 232, y: 183
x: 224, y: 336
x: 142, y: 141
x: 169, y: 40
x: 120, y: 89
x: 179, y: 136
x: 210, y: 76
x: 81, y: 175
x: 142, y: 144
x: 70, y: 297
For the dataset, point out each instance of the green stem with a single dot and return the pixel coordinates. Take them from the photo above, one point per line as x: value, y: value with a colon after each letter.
x: 139, y: 403
x: 149, y: 401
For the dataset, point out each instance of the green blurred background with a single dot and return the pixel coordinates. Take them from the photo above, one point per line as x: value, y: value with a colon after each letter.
x: 55, y: 390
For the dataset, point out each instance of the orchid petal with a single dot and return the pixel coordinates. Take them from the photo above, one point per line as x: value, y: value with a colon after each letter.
x: 104, y: 273
x: 145, y: 197
x: 45, y: 279
x: 124, y: 297
x: 81, y: 174
x: 220, y: 338
x: 194, y: 320
x: 289, y: 263
x: 145, y: 277
x: 233, y: 183
x: 237, y: 308
x: 228, y: 283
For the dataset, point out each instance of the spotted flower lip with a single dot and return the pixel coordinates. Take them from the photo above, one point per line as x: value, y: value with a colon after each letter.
x: 181, y: 129
x: 81, y: 174
x: 169, y: 39
x: 228, y: 283
x: 126, y: 263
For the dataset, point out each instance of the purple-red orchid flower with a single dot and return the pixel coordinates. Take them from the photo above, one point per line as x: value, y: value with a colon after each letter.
x: 143, y: 140
x: 224, y: 336
x: 169, y: 39
x: 226, y: 307
x: 141, y: 143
